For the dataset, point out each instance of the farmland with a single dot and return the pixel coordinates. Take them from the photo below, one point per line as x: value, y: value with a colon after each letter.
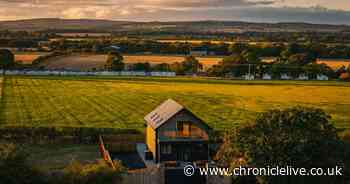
x: 85, y: 62
x: 335, y: 63
x: 90, y: 61
x: 123, y: 102
x: 27, y: 57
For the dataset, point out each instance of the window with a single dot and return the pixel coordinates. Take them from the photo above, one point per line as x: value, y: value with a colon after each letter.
x: 180, y: 126
x: 183, y: 128
x: 166, y: 149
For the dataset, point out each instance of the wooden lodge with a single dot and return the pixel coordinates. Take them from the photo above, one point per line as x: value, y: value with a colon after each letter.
x: 175, y: 134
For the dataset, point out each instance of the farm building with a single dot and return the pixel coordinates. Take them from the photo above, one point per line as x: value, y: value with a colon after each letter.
x: 174, y: 134
x: 266, y: 76
x: 322, y: 77
x: 286, y: 77
x: 248, y: 77
x: 303, y: 77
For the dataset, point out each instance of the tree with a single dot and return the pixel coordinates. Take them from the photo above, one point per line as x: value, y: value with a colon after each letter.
x: 13, y: 166
x: 344, y: 76
x: 236, y: 65
x: 163, y: 67
x: 251, y: 57
x: 114, y: 62
x: 238, y: 48
x: 315, y: 69
x: 177, y: 68
x: 142, y: 67
x: 7, y: 59
x: 300, y: 137
x: 191, y: 65
x: 290, y: 50
x: 301, y: 59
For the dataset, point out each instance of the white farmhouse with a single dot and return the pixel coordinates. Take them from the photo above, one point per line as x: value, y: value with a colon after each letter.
x: 286, y: 77
x: 303, y: 77
x: 322, y: 77
x: 267, y: 76
x: 248, y: 77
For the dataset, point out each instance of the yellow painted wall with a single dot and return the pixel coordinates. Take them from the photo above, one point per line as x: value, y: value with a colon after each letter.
x: 151, y: 140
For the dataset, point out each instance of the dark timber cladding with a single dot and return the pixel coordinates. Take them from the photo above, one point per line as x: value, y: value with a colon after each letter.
x: 175, y: 134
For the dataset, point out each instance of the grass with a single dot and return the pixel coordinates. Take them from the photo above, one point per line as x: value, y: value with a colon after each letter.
x: 57, y: 157
x: 122, y: 102
x: 1, y: 84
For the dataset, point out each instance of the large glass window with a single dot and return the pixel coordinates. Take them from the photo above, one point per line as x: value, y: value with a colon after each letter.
x: 183, y: 128
x: 166, y: 149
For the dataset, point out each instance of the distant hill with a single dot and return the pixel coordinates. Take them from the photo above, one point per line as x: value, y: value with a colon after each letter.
x: 197, y: 26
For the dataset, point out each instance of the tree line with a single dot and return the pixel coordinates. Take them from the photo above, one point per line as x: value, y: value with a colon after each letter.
x: 297, y: 137
x: 242, y: 62
x: 293, y: 59
x: 247, y: 36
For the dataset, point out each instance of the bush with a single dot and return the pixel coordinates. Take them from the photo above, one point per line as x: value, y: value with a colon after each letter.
x: 300, y: 137
x: 14, y: 168
x: 346, y: 136
x: 345, y: 76
x: 99, y: 173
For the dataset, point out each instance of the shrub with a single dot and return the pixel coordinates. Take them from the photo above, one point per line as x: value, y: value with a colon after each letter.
x: 345, y: 76
x: 14, y: 168
x: 299, y: 137
x: 98, y: 173
x: 346, y: 136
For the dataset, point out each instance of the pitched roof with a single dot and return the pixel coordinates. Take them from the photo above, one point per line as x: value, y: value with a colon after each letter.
x: 163, y: 113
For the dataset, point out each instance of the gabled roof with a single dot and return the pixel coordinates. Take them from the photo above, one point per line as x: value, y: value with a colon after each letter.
x: 163, y: 113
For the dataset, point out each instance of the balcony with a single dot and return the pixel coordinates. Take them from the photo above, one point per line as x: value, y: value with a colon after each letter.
x: 184, y: 135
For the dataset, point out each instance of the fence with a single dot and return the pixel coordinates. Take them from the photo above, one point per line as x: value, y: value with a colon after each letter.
x: 54, y: 135
x: 147, y: 176
x: 1, y: 87
x: 102, y: 73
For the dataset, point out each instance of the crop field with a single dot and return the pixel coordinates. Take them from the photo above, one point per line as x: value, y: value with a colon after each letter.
x: 85, y: 62
x: 335, y: 63
x: 194, y: 41
x: 123, y: 102
x: 90, y: 61
x: 28, y: 58
x: 83, y: 34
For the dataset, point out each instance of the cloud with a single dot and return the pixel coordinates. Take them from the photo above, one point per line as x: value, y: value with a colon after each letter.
x: 165, y: 10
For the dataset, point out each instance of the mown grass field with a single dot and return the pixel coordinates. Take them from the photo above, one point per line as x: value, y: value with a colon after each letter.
x: 123, y: 102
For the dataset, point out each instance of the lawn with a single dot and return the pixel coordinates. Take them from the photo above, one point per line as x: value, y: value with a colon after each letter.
x: 58, y: 157
x: 123, y: 102
x: 1, y: 81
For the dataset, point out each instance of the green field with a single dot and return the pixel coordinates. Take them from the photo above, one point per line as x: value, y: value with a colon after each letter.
x: 123, y: 102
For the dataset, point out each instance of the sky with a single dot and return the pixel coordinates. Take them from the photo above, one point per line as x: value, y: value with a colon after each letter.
x: 311, y: 11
